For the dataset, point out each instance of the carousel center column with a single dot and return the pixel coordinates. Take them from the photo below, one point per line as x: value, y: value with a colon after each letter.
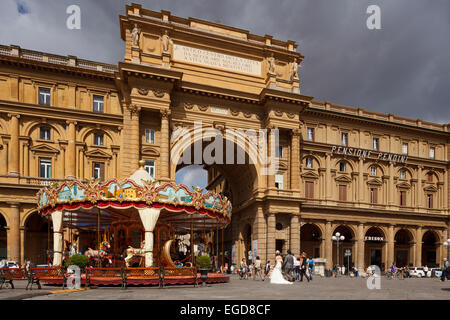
x: 149, y: 217
x: 57, y: 219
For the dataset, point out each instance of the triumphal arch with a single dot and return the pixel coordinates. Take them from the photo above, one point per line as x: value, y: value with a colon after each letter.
x: 192, y: 76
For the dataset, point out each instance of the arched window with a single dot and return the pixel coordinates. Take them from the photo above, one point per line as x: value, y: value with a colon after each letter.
x: 342, y: 166
x: 308, y: 162
x: 402, y: 174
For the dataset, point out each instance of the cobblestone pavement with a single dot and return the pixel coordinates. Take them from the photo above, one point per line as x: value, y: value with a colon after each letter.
x: 320, y: 288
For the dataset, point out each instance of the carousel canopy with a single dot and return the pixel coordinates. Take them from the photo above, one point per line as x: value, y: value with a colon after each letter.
x: 95, y: 204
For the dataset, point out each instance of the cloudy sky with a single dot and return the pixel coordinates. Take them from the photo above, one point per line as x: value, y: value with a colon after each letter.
x: 404, y: 68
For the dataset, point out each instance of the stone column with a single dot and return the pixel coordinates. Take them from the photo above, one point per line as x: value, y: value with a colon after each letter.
x: 22, y: 244
x: 391, y: 193
x: 419, y: 187
x: 295, y: 159
x: 328, y: 194
x: 418, y: 251
x: 361, y: 181
x: 130, y: 140
x: 295, y: 235
x: 165, y: 146
x: 13, y: 155
x: 360, y: 246
x: 271, y: 237
x: 328, y: 245
x: 390, y: 247
x: 270, y: 152
x: 71, y: 150
x: 259, y: 230
x: 14, y: 232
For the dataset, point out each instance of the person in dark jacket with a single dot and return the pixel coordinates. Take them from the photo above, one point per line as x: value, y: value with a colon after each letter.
x: 304, y: 267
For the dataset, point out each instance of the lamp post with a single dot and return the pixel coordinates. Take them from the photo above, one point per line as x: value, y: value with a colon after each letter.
x: 337, y: 237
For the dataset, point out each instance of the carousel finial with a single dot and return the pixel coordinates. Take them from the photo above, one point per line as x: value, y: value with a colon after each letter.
x: 141, y: 164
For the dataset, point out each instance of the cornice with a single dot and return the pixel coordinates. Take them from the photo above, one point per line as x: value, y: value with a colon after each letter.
x: 313, y: 111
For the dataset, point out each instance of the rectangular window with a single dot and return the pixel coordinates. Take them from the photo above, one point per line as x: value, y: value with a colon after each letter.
x: 430, y: 201
x: 403, y: 198
x: 279, y: 179
x: 373, y: 195
x: 342, y: 166
x: 404, y: 148
x: 44, y: 133
x: 375, y: 143
x: 149, y: 136
x: 308, y: 162
x: 98, y: 171
x: 342, y: 192
x: 402, y: 174
x: 310, y: 135
x: 309, y: 189
x: 97, y: 104
x: 431, y: 152
x: 430, y: 177
x: 344, y: 138
x: 150, y: 167
x: 279, y: 152
x: 45, y: 167
x: 98, y: 139
x: 44, y: 96
x: 373, y: 171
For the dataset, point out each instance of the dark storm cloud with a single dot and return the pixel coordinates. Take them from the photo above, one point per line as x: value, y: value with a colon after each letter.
x: 404, y: 68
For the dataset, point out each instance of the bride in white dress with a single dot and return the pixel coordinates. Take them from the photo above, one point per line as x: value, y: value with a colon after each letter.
x: 277, y: 276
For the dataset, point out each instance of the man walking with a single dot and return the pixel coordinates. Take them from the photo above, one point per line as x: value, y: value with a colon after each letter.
x: 445, y: 268
x: 310, y: 268
x: 289, y: 265
x: 257, y: 269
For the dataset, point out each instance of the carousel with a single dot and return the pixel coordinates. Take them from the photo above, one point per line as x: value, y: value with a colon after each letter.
x: 137, y: 222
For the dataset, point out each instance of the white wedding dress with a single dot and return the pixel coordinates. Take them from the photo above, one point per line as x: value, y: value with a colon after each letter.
x: 277, y: 276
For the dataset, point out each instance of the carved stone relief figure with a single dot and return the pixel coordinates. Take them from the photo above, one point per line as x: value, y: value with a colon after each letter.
x: 135, y: 34
x: 271, y: 61
x: 294, y: 69
x: 166, y: 41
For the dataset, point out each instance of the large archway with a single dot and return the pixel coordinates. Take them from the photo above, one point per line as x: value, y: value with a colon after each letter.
x: 430, y: 245
x: 347, y: 244
x: 403, y: 248
x: 38, y: 238
x: 235, y: 177
x: 3, y: 238
x: 310, y: 240
x: 374, y: 248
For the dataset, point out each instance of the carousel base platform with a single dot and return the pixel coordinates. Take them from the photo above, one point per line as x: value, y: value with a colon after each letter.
x: 114, y: 281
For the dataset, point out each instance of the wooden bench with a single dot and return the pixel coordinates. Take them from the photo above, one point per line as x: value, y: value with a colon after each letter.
x: 46, y: 274
x: 179, y: 275
x: 11, y: 274
x: 143, y: 276
x: 104, y: 276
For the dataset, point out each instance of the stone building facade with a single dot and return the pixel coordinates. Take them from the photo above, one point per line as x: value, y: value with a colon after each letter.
x: 380, y: 180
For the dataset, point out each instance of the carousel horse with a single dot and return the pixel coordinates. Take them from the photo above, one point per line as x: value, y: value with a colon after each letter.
x: 133, y: 253
x: 102, y: 253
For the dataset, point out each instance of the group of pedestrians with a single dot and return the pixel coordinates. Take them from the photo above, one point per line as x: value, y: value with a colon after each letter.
x: 295, y: 268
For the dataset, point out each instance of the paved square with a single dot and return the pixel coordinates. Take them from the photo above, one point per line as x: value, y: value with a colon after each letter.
x: 320, y: 288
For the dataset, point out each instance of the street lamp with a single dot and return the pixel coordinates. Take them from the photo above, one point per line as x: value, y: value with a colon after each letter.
x: 337, y: 237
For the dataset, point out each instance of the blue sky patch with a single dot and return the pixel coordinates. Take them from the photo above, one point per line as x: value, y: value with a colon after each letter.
x: 22, y: 8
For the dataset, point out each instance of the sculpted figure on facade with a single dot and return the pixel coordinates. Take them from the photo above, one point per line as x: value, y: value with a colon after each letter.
x: 271, y: 61
x: 166, y: 42
x: 135, y: 34
x: 294, y: 69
